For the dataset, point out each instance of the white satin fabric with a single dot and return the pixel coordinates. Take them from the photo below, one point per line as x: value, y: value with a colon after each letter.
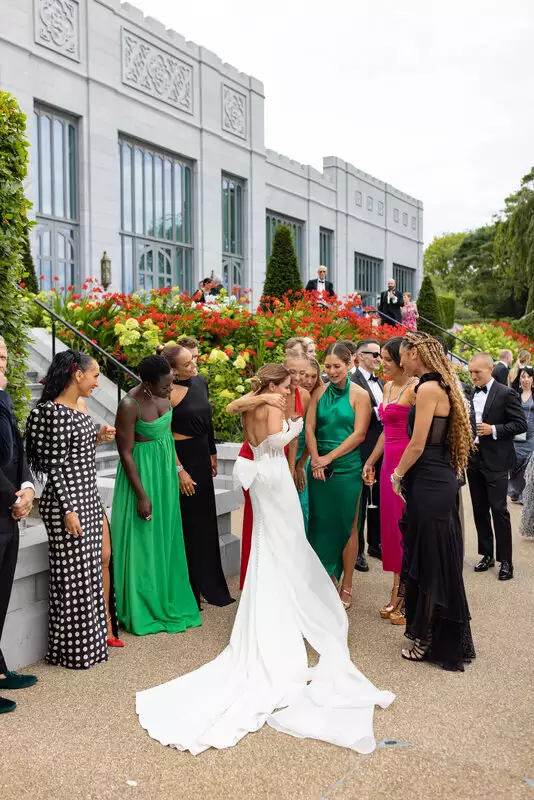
x: 287, y: 597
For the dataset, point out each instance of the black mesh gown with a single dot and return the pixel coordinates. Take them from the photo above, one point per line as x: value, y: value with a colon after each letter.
x: 437, y: 612
x: 192, y: 417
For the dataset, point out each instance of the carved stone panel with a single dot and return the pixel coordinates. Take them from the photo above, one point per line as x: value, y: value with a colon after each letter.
x: 155, y: 72
x: 234, y: 112
x: 57, y: 26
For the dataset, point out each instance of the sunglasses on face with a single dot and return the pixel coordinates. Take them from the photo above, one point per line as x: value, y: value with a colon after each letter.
x: 370, y: 353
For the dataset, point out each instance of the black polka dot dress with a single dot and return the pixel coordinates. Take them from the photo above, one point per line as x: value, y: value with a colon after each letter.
x: 66, y: 444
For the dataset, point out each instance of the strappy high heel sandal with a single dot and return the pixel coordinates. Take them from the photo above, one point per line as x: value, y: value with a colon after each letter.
x: 348, y: 593
x: 386, y: 611
x: 398, y: 615
x: 416, y: 653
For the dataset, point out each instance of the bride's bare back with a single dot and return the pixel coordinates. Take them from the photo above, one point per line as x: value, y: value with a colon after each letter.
x: 261, y: 422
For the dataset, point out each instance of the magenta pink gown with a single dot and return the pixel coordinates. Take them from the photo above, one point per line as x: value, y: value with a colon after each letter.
x: 394, y: 418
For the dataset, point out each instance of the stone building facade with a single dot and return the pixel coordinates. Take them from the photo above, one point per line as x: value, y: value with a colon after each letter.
x: 149, y: 147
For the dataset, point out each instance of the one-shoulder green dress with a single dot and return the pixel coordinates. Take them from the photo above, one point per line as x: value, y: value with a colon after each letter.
x: 335, y: 503
x: 150, y: 569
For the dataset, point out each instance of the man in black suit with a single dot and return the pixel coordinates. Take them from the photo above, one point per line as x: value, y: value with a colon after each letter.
x: 502, y: 367
x: 367, y: 361
x: 390, y: 304
x: 320, y: 284
x: 496, y: 417
x: 16, y: 499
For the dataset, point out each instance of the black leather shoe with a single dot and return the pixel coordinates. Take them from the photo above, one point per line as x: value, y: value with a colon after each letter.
x: 506, y: 572
x: 484, y: 564
x: 375, y: 552
x: 361, y: 563
x: 6, y: 705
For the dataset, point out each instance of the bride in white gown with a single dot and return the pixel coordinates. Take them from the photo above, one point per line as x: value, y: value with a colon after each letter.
x: 263, y: 674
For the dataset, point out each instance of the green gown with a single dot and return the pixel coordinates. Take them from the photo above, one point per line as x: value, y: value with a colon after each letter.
x: 303, y: 496
x: 334, y: 503
x: 150, y: 569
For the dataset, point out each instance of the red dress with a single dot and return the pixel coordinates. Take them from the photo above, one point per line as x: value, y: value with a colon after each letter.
x: 246, y: 536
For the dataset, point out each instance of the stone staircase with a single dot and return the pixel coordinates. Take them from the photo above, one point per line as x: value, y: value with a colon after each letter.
x: 25, y: 631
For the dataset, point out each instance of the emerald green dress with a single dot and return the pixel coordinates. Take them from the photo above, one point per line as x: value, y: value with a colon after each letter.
x: 303, y: 496
x: 334, y: 503
x: 151, y: 578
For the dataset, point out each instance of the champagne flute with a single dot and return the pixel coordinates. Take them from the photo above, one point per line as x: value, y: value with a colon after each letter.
x: 369, y: 482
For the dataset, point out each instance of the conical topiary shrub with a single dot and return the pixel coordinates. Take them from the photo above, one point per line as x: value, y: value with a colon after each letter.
x: 428, y: 307
x: 282, y: 269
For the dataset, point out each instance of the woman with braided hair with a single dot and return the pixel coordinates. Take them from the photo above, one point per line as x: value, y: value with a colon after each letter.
x: 437, y: 614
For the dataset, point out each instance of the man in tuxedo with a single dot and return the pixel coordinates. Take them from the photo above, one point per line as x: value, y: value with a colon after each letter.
x: 502, y: 367
x: 390, y: 304
x: 320, y: 284
x: 16, y: 499
x: 368, y: 360
x: 496, y: 417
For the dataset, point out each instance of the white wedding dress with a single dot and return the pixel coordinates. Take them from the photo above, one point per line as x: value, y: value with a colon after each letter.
x: 287, y: 597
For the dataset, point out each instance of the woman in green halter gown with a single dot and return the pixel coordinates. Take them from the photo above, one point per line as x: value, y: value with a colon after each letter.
x: 151, y: 577
x: 336, y: 425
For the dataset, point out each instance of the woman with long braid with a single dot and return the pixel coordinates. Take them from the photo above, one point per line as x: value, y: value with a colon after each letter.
x: 437, y: 614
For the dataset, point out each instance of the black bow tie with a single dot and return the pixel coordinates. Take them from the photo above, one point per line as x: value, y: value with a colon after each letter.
x: 373, y: 378
x: 481, y: 389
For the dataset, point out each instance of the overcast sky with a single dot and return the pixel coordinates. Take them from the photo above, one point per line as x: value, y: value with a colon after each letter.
x: 433, y: 96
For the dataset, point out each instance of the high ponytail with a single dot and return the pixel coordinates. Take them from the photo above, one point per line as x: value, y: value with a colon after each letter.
x: 61, y: 372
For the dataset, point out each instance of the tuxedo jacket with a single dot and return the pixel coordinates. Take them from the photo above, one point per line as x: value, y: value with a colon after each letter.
x: 375, y: 426
x: 311, y: 286
x: 391, y: 309
x: 502, y: 409
x: 14, y: 469
x: 500, y: 373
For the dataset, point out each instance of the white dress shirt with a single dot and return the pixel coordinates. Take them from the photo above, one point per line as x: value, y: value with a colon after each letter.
x: 321, y: 285
x: 375, y: 388
x: 479, y: 404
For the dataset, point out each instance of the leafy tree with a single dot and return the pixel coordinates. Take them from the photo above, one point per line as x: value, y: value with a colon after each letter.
x: 282, y: 269
x: 13, y: 228
x: 514, y: 242
x: 438, y: 259
x: 429, y: 308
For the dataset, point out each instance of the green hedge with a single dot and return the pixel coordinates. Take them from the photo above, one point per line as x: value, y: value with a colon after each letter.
x: 13, y: 230
x: 448, y: 310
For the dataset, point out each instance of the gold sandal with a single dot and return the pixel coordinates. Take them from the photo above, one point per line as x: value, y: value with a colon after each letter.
x: 346, y: 604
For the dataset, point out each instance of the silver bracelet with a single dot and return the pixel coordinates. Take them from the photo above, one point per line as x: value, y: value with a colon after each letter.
x: 179, y: 468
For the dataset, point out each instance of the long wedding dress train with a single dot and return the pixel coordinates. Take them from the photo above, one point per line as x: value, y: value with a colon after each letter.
x: 287, y: 597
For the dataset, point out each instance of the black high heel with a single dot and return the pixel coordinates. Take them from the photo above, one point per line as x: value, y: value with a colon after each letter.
x: 416, y: 653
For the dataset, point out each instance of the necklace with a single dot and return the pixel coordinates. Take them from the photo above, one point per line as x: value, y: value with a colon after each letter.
x: 397, y: 397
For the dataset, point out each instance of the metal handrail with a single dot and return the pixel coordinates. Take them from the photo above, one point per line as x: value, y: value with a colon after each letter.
x: 429, y: 321
x: 57, y: 318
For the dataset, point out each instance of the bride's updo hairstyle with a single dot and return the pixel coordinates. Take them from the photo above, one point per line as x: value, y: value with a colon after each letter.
x: 432, y: 354
x: 269, y: 373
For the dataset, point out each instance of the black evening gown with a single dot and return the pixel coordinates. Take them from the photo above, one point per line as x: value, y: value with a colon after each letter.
x: 193, y: 417
x: 437, y: 612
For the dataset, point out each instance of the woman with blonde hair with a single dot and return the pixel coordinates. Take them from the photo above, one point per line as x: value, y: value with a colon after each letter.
x: 263, y: 675
x: 441, y: 442
x: 523, y: 360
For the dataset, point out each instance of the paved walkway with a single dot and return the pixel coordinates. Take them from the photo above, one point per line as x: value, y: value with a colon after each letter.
x: 76, y: 735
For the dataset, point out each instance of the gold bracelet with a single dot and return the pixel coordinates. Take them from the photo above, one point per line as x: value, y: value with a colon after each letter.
x: 399, y: 477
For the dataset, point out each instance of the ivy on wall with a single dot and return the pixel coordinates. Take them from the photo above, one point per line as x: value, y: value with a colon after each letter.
x: 14, y: 226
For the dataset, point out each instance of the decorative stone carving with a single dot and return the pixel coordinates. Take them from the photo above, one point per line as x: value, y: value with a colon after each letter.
x: 234, y: 112
x: 57, y: 26
x: 153, y: 71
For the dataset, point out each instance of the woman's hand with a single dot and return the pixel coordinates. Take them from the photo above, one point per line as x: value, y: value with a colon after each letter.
x: 300, y: 479
x: 275, y: 400
x: 72, y: 524
x: 144, y: 508
x: 321, y: 462
x: 368, y: 474
x: 105, y: 434
x: 187, y: 484
x: 318, y: 474
x: 213, y: 466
